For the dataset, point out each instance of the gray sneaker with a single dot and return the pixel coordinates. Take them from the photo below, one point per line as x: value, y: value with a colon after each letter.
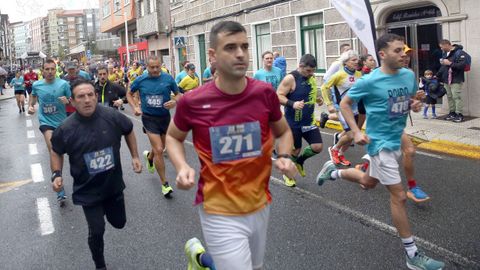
x: 325, y: 173
x: 423, y: 262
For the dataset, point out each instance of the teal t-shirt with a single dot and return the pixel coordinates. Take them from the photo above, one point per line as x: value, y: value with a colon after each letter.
x: 274, y: 76
x: 154, y: 92
x: 207, y: 73
x: 18, y: 84
x: 180, y: 76
x: 84, y: 75
x: 51, y: 111
x: 387, y: 102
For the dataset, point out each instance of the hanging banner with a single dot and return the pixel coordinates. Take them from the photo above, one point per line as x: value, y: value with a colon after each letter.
x: 359, y: 16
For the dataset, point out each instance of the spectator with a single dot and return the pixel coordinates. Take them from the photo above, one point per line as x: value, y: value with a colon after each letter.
x: 280, y: 62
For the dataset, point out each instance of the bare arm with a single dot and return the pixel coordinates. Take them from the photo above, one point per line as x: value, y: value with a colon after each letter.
x: 31, y: 103
x: 132, y: 146
x: 286, y: 86
x: 346, y: 108
x: 56, y: 163
x: 176, y: 152
x: 283, y: 134
x: 133, y: 103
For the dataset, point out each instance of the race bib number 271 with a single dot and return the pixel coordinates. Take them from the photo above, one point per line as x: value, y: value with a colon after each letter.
x: 233, y: 142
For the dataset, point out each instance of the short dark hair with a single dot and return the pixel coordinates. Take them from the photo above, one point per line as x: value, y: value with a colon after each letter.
x: 78, y: 82
x: 445, y: 42
x: 152, y: 58
x: 265, y: 53
x: 229, y: 27
x: 308, y: 60
x: 49, y: 61
x: 102, y: 67
x: 382, y: 42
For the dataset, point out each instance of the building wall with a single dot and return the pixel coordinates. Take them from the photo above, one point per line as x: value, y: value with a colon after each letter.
x: 20, y: 37
x: 36, y: 34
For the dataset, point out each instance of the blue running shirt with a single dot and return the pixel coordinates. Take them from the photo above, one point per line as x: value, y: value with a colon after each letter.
x: 51, y: 111
x: 274, y: 76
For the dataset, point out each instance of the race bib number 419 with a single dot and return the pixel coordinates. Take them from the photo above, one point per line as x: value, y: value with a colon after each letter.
x: 398, y: 106
x: 99, y: 161
x: 233, y: 142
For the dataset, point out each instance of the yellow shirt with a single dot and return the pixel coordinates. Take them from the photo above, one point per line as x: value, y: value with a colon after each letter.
x: 113, y: 77
x: 134, y: 73
x: 189, y: 83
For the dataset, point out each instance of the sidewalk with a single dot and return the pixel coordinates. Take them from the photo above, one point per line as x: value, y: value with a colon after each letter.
x: 438, y: 135
x: 7, y: 93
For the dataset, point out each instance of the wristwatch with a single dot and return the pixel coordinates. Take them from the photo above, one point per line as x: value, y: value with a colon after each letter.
x: 56, y: 174
x: 284, y: 156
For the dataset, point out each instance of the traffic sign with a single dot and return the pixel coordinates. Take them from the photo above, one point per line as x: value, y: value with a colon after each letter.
x: 179, y: 42
x: 89, y: 54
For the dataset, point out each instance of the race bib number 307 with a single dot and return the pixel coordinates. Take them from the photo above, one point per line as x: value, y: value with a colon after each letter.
x: 49, y: 108
x: 99, y: 161
x: 233, y: 142
x: 398, y: 106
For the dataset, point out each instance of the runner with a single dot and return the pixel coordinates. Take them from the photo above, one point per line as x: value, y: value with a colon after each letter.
x: 19, y: 90
x: 92, y: 138
x: 190, y: 81
x: 233, y: 194
x: 298, y: 93
x: 269, y: 73
x: 73, y: 74
x: 109, y: 93
x: 341, y: 82
x: 52, y: 94
x: 155, y: 89
x: 30, y: 77
x: 387, y: 94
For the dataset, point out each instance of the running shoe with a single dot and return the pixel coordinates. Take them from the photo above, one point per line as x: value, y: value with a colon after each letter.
x: 289, y: 182
x: 150, y: 164
x: 422, y: 262
x: 425, y: 116
x: 61, y: 197
x: 344, y: 161
x: 166, y: 189
x: 326, y: 172
x: 323, y: 119
x: 194, y: 249
x: 334, y: 155
x: 434, y: 116
x: 417, y: 195
x: 274, y: 154
x: 364, y: 166
x: 451, y: 116
x: 23, y: 108
x: 300, y: 169
x: 336, y: 138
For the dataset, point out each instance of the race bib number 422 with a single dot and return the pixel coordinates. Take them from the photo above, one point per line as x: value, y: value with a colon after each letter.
x: 398, y: 106
x: 99, y: 161
x: 233, y: 142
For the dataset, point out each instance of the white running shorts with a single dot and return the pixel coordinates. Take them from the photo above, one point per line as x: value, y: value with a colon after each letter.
x: 384, y: 167
x: 236, y: 242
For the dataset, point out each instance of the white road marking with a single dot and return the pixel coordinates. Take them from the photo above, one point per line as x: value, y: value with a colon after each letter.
x: 30, y: 134
x: 37, y: 173
x: 377, y: 224
x: 32, y: 148
x: 45, y: 216
x: 29, y: 123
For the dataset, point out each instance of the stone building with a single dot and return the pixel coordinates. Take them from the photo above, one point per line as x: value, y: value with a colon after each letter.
x: 296, y: 27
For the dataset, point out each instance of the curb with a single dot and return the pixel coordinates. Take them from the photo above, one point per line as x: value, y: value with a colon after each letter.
x: 435, y: 145
x: 5, y: 98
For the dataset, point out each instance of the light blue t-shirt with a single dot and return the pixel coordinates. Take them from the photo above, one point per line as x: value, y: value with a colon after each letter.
x: 154, y: 92
x: 180, y: 76
x: 18, y: 83
x: 51, y: 111
x: 274, y: 76
x: 84, y: 75
x: 207, y: 73
x: 387, y: 102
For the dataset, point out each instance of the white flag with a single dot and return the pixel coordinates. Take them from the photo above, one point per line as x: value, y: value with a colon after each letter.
x: 358, y: 14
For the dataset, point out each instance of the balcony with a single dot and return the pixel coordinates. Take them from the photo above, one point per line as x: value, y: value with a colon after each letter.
x: 150, y: 24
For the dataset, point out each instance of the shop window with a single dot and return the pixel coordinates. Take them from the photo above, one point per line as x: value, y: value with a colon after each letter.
x: 313, y: 38
x: 263, y: 41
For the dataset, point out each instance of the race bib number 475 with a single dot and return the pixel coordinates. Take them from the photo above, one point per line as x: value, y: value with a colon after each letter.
x: 99, y: 161
x: 233, y: 142
x: 398, y: 106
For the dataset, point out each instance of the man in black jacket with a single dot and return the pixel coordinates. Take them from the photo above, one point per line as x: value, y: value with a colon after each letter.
x: 451, y: 74
x: 109, y: 93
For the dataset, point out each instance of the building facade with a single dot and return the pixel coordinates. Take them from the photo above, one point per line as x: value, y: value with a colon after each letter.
x: 35, y: 34
x: 20, y: 35
x: 5, y: 40
x: 114, y: 15
x: 297, y: 27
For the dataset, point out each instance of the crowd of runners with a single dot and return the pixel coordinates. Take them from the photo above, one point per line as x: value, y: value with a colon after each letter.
x: 239, y: 125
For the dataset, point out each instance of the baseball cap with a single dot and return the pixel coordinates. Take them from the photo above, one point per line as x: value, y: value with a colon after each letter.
x: 190, y: 66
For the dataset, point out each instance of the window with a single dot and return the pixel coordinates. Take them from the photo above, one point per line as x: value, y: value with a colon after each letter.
x: 71, y: 19
x: 127, y: 2
x: 152, y: 6
x: 142, y: 8
x: 312, y: 38
x: 263, y: 41
x: 106, y: 9
x: 116, y: 5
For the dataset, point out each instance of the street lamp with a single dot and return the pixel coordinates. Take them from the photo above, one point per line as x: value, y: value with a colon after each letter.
x: 126, y: 30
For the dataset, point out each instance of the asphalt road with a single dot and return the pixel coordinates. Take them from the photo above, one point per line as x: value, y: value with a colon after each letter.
x: 336, y: 226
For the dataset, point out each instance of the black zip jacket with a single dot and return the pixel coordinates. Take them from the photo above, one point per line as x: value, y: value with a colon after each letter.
x: 458, y: 66
x: 112, y: 92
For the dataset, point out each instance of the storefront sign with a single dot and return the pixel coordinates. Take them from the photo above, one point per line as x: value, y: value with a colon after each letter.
x: 414, y: 14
